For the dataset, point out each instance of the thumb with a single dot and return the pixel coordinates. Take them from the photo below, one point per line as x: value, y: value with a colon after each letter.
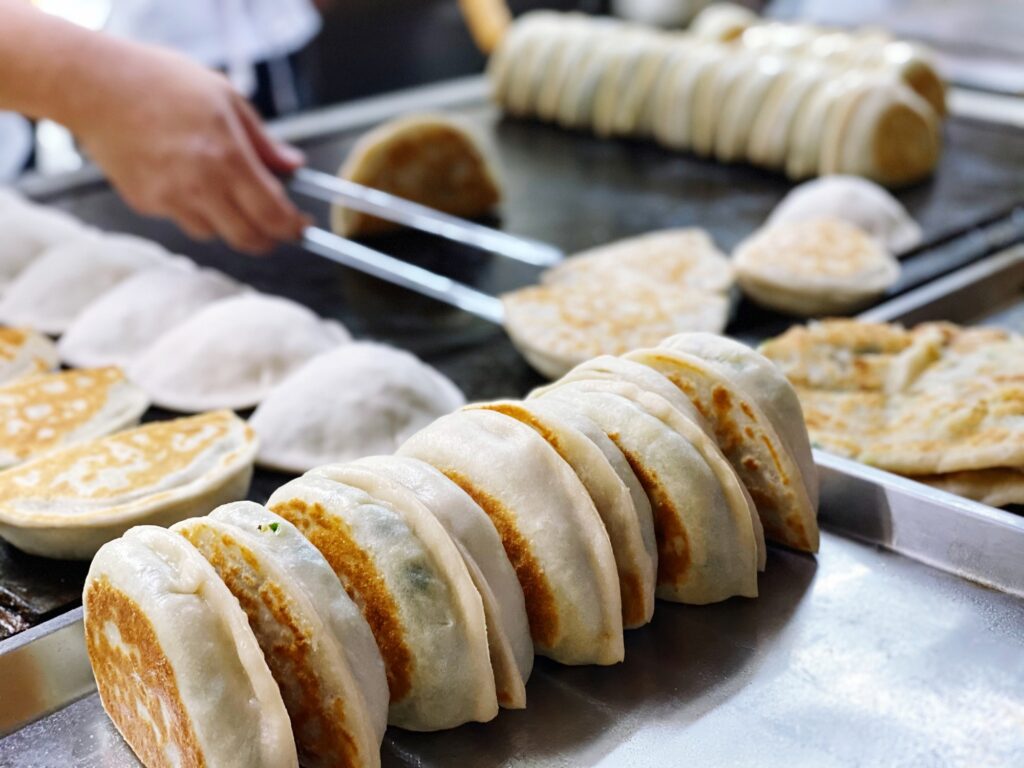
x: 277, y: 156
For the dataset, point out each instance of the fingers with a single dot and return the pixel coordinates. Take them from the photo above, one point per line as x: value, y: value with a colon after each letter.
x: 278, y: 157
x: 194, y: 223
x: 261, y: 197
x: 235, y: 227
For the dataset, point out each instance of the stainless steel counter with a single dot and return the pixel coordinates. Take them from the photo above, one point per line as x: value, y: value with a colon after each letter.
x: 858, y: 657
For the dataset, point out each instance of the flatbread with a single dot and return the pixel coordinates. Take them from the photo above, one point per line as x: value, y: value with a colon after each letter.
x: 703, y: 519
x: 997, y: 486
x: 858, y: 201
x: 749, y: 441
x: 27, y: 232
x: 935, y: 399
x: 123, y: 322
x: 548, y: 525
x: 51, y: 410
x: 231, y: 353
x: 24, y: 352
x: 70, y: 501
x: 556, y: 327
x: 355, y: 400
x: 508, y: 629
x: 314, y: 639
x: 631, y: 534
x: 177, y: 667
x: 814, y: 266
x: 412, y: 585
x: 429, y: 159
x: 50, y: 293
x: 684, y: 257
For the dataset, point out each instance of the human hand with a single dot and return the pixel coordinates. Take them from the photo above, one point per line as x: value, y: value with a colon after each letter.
x: 176, y: 140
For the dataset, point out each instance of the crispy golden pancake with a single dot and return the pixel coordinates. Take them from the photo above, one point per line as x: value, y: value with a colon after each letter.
x: 68, y: 502
x: 932, y: 400
x: 24, y: 352
x: 559, y: 326
x: 429, y: 159
x: 814, y: 266
x: 48, y: 410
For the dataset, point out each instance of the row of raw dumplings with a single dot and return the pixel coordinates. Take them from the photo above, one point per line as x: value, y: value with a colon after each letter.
x: 805, y: 115
x: 142, y: 327
x: 415, y: 589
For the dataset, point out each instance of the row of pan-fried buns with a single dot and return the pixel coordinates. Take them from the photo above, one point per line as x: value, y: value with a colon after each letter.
x: 414, y: 589
x: 787, y: 98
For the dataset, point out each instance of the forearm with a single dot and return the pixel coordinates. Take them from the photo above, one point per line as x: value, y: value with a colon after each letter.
x: 52, y: 68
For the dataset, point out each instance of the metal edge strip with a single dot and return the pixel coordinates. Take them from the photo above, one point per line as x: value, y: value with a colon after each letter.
x: 42, y: 670
x: 901, y: 306
x: 942, y: 530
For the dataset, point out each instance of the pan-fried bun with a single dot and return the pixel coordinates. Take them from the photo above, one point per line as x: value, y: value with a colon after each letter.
x: 429, y: 159
x: 176, y: 665
x: 404, y: 572
x: 548, y: 525
x: 391, y: 479
x: 316, y: 642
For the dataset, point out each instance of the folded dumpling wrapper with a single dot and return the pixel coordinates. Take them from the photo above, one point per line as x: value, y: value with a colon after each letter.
x: 231, y: 353
x: 856, y: 200
x: 27, y: 231
x: 358, y: 399
x: 548, y: 524
x: 405, y: 482
x: 70, y: 501
x: 124, y: 321
x: 708, y: 543
x: 767, y: 385
x: 751, y: 443
x: 315, y: 640
x: 48, y: 410
x: 427, y: 158
x: 630, y: 532
x: 176, y: 665
x: 24, y: 352
x: 50, y: 293
x: 404, y: 572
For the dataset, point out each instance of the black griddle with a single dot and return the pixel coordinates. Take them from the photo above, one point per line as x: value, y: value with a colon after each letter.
x: 569, y: 189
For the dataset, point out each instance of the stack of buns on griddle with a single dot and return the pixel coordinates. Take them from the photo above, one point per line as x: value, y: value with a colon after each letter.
x: 791, y: 98
x: 414, y: 588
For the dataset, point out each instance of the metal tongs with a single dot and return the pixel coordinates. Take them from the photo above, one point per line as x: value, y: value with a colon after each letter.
x: 384, y: 205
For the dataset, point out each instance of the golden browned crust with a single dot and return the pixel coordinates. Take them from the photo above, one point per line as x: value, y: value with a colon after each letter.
x: 674, y: 559
x: 319, y: 722
x: 435, y: 164
x: 135, y: 675
x: 541, y: 610
x: 630, y: 584
x: 364, y: 584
